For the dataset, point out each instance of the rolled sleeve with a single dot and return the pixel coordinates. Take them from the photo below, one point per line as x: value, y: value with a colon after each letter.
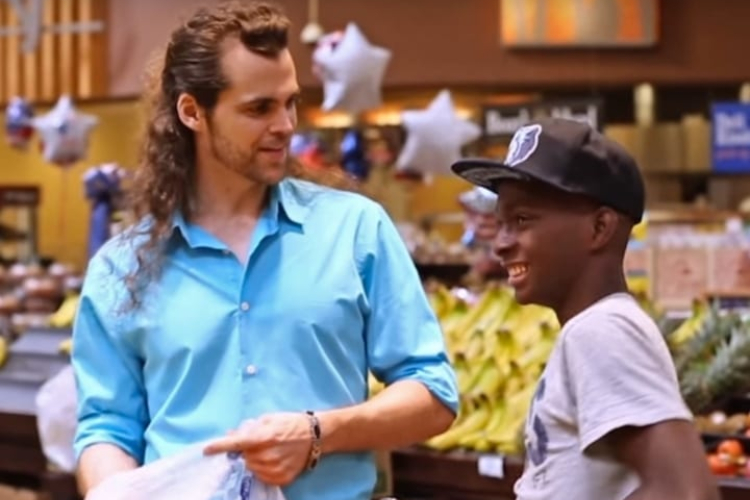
x: 404, y: 338
x: 111, y: 395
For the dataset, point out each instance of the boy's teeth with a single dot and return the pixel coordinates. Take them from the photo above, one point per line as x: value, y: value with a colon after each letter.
x: 517, y: 269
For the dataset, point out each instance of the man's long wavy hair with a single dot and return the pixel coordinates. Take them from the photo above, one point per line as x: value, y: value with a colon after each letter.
x: 191, y: 64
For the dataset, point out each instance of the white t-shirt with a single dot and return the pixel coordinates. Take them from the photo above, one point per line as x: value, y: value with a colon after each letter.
x: 610, y: 368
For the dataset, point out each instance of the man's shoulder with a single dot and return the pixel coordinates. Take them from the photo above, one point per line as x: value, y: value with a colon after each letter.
x: 324, y: 198
x: 119, y: 253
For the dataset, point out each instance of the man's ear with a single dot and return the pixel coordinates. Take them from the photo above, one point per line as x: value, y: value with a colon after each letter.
x: 604, y: 228
x: 190, y: 112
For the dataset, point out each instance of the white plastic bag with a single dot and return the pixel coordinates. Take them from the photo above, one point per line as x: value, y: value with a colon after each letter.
x: 188, y: 475
x: 56, y: 418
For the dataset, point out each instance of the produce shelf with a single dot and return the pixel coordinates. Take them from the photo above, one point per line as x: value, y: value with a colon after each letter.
x: 425, y: 474
x: 420, y: 474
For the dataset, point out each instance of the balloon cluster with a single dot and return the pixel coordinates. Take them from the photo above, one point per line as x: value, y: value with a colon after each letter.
x: 103, y: 187
x: 354, y: 157
x: 18, y: 128
x: 63, y: 131
x: 351, y: 70
x: 434, y: 137
x: 480, y: 226
x: 310, y: 150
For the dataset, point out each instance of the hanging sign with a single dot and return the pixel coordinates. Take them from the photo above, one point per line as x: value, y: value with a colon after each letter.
x: 501, y: 122
x: 730, y: 137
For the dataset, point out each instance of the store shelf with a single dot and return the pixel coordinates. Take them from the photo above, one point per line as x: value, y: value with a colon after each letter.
x: 423, y: 474
x: 448, y: 273
x: 420, y: 474
x: 734, y: 489
x: 60, y: 486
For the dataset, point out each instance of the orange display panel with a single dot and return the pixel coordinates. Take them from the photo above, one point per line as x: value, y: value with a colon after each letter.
x: 579, y: 23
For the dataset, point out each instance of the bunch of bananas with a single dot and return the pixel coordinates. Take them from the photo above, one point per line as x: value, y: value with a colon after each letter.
x: 498, y: 349
x: 690, y: 327
x: 65, y: 314
x: 64, y: 318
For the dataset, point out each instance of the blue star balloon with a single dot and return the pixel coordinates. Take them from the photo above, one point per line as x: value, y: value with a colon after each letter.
x: 102, y: 185
x: 18, y: 128
x: 354, y: 156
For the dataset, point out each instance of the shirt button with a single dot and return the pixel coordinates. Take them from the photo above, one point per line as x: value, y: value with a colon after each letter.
x: 251, y: 370
x: 245, y: 306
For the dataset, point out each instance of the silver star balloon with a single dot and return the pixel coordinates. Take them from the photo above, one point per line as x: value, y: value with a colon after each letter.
x: 478, y: 200
x: 434, y: 137
x: 352, y: 71
x: 64, y: 133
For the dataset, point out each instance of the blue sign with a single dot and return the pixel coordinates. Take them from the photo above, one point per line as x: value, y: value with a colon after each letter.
x: 730, y: 137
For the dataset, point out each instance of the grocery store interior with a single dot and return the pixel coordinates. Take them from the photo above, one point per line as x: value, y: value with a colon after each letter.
x: 426, y: 83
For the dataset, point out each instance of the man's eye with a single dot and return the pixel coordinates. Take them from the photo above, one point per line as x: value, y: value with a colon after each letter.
x: 261, y: 109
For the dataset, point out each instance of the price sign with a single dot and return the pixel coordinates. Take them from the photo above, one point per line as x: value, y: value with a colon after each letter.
x: 491, y: 466
x: 681, y: 275
x: 730, y: 268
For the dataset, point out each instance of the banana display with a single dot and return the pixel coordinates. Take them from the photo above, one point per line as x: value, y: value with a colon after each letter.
x: 498, y: 349
x: 63, y: 318
x: 65, y: 314
x: 3, y: 351
x: 690, y: 327
x: 66, y: 346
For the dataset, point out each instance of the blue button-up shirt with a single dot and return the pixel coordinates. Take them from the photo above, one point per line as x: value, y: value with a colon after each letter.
x: 329, y: 292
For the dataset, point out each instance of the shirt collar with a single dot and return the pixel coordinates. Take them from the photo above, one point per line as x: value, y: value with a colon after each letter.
x: 290, y: 196
x: 287, y: 198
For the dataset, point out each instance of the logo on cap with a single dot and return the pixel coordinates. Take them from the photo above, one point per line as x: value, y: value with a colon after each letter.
x: 523, y: 144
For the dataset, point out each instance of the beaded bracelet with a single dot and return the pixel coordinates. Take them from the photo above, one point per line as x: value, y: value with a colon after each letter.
x: 315, y: 451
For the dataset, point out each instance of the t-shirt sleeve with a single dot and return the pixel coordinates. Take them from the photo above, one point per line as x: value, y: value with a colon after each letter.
x: 620, y: 374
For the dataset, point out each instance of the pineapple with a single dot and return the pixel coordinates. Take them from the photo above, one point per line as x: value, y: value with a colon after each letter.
x: 714, y: 329
x: 715, y: 363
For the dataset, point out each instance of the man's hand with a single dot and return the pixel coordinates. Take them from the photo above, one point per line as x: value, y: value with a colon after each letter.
x: 275, y: 447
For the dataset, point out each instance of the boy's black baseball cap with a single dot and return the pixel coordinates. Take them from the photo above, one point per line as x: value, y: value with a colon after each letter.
x: 568, y: 155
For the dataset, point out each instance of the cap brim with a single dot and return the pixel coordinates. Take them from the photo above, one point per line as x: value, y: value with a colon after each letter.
x: 487, y: 173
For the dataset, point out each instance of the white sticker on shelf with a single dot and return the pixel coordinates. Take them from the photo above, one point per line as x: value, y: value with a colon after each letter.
x: 491, y: 466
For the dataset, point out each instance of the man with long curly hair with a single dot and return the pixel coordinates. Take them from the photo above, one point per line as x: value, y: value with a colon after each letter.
x: 254, y: 303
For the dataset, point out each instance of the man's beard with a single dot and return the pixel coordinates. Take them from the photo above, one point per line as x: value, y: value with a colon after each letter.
x: 232, y: 159
x: 245, y: 165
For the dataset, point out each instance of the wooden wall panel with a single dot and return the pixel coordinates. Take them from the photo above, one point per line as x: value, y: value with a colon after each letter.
x: 64, y: 61
x: 451, y: 43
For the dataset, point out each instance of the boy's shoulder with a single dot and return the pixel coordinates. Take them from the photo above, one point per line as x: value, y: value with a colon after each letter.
x: 611, y: 321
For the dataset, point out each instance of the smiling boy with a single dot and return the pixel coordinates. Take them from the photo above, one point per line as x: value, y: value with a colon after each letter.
x: 607, y: 421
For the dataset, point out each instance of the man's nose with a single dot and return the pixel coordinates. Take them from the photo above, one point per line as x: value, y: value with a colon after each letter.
x: 285, y: 122
x: 504, y: 242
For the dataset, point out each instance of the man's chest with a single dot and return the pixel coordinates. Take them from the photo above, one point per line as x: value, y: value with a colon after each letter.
x: 207, y: 301
x: 236, y: 235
